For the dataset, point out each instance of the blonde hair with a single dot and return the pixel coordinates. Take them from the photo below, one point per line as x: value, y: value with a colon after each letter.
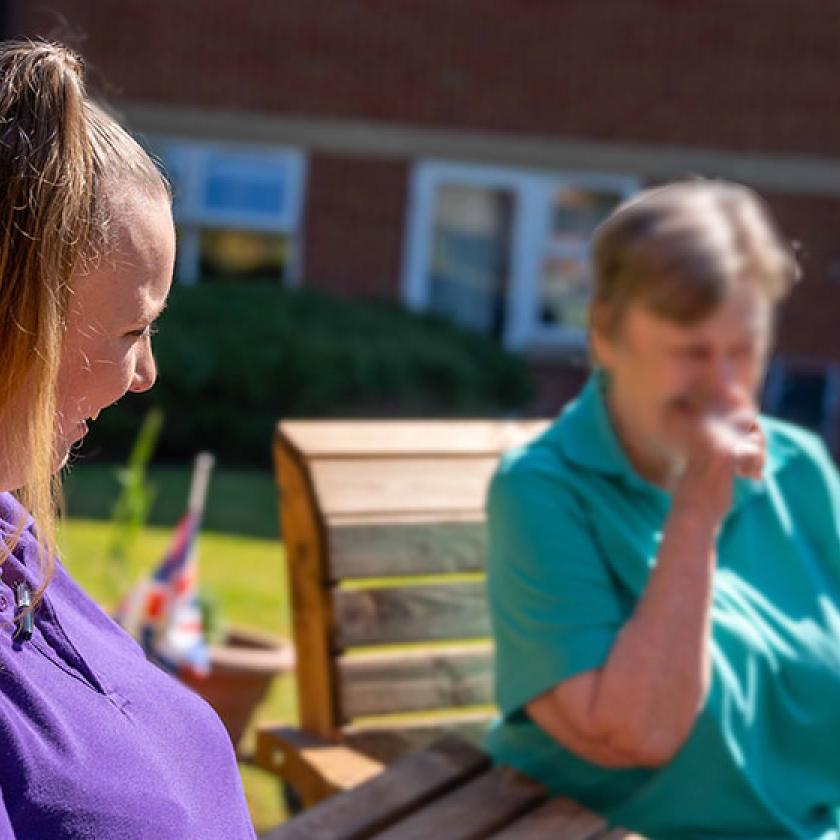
x: 681, y: 248
x: 59, y: 152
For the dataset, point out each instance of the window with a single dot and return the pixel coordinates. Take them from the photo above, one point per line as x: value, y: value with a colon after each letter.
x: 468, y: 256
x: 504, y: 251
x: 225, y: 253
x: 237, y: 210
x: 564, y: 282
x: 807, y: 393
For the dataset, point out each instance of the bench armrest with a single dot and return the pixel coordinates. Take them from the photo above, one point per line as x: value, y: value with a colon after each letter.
x: 314, y: 767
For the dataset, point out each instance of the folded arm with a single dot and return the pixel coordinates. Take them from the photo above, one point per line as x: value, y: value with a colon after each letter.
x: 639, y: 708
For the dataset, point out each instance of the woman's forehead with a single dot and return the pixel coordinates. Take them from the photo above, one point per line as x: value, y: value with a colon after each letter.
x: 121, y: 294
x: 746, y: 312
x: 141, y: 229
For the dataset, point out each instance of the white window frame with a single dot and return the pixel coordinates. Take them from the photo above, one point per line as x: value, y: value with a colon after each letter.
x: 191, y: 218
x: 532, y: 192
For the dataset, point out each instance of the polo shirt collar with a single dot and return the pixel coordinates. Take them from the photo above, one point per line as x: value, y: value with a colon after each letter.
x: 585, y: 435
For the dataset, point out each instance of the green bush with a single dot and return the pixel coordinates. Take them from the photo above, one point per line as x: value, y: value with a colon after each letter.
x: 232, y: 359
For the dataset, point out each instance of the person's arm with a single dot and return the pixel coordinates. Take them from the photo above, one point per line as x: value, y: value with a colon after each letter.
x: 640, y: 706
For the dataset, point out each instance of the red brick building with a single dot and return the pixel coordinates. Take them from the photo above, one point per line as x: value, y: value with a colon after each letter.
x: 454, y: 155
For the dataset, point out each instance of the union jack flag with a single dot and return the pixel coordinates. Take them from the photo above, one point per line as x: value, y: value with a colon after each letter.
x: 163, y: 612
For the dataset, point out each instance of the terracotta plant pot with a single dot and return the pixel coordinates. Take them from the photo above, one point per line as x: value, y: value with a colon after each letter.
x: 242, y: 668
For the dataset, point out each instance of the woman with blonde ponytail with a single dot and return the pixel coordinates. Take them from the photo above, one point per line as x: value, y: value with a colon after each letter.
x: 95, y: 741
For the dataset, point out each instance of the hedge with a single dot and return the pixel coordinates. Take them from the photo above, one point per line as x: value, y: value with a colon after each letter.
x: 232, y: 359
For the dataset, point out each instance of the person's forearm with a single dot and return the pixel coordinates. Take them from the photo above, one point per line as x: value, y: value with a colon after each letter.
x: 650, y: 690
x: 640, y: 706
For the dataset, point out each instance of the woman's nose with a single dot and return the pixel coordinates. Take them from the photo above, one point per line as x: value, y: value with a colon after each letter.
x: 145, y: 373
x: 722, y: 387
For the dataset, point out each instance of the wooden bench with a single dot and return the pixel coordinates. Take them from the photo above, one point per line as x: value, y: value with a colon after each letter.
x: 383, y: 524
x: 447, y: 791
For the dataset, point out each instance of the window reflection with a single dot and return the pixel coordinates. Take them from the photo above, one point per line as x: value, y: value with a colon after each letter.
x: 566, y: 287
x: 565, y: 281
x: 243, y: 254
x: 469, y: 256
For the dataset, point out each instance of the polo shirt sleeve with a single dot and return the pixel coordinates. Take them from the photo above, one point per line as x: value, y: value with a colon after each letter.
x: 553, y: 607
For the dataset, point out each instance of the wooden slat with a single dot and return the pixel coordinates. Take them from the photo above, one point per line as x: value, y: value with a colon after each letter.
x: 349, y: 438
x: 378, y: 803
x: 402, y: 484
x: 312, y: 618
x: 410, y: 614
x: 315, y: 768
x: 388, y: 741
x: 394, y: 548
x: 559, y: 818
x: 407, y: 681
x: 473, y: 811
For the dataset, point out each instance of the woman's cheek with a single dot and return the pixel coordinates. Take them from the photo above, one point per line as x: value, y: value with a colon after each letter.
x: 108, y: 383
x: 751, y: 377
x: 126, y: 375
x: 130, y: 367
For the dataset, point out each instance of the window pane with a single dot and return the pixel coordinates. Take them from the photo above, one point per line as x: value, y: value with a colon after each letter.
x: 576, y: 212
x: 565, y: 280
x: 469, y: 256
x: 802, y: 399
x: 565, y: 291
x: 240, y: 254
x: 238, y: 184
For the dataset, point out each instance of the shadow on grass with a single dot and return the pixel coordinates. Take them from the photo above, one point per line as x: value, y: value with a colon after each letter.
x: 239, y: 501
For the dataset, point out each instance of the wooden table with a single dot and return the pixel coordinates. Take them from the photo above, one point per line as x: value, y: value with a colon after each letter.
x: 447, y: 792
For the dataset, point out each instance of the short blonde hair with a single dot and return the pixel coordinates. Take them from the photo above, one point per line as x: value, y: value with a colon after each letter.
x: 59, y: 156
x: 681, y: 248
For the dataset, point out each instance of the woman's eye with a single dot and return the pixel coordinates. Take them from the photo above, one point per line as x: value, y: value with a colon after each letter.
x: 145, y: 332
x: 695, y: 354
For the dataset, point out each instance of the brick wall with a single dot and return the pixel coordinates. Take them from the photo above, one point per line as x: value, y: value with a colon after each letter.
x: 753, y: 75
x: 353, y: 224
x: 746, y: 75
x: 556, y: 383
x: 809, y: 322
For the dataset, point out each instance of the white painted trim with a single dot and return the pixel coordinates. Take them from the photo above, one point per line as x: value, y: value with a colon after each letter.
x: 295, y: 275
x: 787, y: 173
x: 195, y: 156
x: 190, y: 218
x: 426, y: 178
x: 534, y: 333
x: 416, y: 241
x: 532, y: 193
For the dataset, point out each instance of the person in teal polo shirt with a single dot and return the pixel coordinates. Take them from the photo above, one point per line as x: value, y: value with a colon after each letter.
x: 664, y: 563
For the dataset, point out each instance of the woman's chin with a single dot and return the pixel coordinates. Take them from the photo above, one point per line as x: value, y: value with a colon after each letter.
x: 62, y: 452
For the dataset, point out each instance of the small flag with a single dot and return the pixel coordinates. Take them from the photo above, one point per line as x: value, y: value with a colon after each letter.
x: 163, y: 612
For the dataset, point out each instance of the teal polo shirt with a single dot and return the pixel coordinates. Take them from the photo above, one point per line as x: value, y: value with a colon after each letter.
x: 574, y: 532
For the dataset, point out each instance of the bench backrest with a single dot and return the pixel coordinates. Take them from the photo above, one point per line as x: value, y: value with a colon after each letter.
x: 383, y: 523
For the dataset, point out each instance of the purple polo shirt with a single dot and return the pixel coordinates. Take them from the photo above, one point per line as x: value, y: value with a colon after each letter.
x: 96, y: 742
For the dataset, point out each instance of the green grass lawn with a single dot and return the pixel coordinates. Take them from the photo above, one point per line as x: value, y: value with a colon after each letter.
x: 241, y: 563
